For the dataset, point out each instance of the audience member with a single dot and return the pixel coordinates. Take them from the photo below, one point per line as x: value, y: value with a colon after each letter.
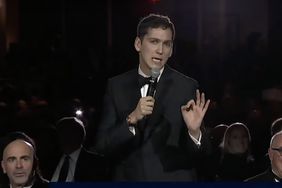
x: 274, y: 173
x: 216, y: 135
x: 236, y: 162
x: 20, y: 163
x: 76, y: 163
x: 263, y: 162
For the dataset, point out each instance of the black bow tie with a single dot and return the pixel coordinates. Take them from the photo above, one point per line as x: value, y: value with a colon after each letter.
x: 143, y: 80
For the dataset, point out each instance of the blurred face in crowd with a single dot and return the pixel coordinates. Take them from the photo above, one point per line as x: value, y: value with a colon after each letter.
x: 17, y: 162
x: 238, y: 141
x: 275, y: 154
x: 154, y: 48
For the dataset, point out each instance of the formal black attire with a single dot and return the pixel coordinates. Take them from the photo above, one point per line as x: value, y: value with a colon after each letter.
x: 235, y: 167
x: 266, y: 176
x: 39, y: 182
x: 162, y: 150
x: 90, y: 166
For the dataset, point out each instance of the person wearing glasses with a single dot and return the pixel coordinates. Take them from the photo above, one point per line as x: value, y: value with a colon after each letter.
x: 274, y: 173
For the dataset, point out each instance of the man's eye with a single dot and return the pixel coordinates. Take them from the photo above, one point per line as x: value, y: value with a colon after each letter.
x: 11, y: 160
x: 26, y: 158
x: 168, y: 44
x: 154, y: 41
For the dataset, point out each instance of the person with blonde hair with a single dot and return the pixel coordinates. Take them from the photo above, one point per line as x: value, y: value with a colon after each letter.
x: 237, y: 162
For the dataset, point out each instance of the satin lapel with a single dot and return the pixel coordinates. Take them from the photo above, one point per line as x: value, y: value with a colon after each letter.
x: 163, y: 83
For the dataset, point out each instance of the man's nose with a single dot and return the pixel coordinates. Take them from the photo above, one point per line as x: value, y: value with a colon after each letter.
x: 160, y: 48
x: 19, y: 164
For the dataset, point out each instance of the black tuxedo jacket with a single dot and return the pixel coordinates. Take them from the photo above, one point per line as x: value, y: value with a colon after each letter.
x: 163, y: 151
x: 38, y: 183
x: 90, y: 166
x: 265, y: 176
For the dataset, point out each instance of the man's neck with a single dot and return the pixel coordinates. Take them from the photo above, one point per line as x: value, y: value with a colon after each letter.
x: 20, y: 186
x: 145, y: 75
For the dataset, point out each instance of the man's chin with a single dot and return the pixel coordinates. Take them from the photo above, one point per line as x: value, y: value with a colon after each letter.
x: 20, y: 181
x: 157, y: 67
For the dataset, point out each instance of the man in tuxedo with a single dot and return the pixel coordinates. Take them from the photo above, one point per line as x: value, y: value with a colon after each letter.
x: 20, y: 163
x: 155, y: 137
x: 274, y: 173
x: 76, y: 163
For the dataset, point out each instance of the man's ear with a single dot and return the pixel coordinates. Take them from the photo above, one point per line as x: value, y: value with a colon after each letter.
x: 3, y: 167
x: 137, y: 44
x: 270, y: 154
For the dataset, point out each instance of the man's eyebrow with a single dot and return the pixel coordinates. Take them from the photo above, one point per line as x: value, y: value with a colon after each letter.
x: 154, y: 38
x: 25, y: 156
x: 280, y: 148
x: 21, y: 157
x: 11, y: 157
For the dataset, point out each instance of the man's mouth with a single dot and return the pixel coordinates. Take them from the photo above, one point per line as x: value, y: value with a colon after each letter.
x: 157, y: 60
x: 19, y: 174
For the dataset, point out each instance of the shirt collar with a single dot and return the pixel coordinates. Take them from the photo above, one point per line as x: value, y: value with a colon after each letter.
x: 143, y: 74
x: 23, y: 187
x: 74, y: 155
x: 276, y: 178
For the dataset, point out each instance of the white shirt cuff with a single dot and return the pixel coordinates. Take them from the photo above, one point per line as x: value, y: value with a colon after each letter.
x: 196, y: 141
x: 132, y: 129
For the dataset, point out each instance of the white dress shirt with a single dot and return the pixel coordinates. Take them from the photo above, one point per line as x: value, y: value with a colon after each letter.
x: 143, y: 94
x: 73, y: 159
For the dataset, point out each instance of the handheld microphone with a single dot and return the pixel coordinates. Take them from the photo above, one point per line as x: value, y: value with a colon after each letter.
x: 153, y: 82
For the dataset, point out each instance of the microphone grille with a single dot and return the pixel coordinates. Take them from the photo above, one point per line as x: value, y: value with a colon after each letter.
x: 155, y: 72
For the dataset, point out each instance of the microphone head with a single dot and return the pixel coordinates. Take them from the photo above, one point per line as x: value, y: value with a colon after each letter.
x: 155, y: 73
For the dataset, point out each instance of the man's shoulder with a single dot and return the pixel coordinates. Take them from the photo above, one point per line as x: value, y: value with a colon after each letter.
x: 125, y: 75
x: 91, y: 153
x: 180, y: 77
x: 4, y: 185
x: 41, y: 183
x: 94, y: 157
x: 264, y: 176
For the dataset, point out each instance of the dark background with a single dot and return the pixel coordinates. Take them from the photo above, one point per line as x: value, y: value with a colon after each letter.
x: 56, y: 56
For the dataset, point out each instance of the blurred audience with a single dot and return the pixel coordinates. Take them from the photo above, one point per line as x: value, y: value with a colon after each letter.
x: 274, y: 172
x: 76, y: 164
x: 216, y: 135
x: 263, y: 162
x: 237, y: 162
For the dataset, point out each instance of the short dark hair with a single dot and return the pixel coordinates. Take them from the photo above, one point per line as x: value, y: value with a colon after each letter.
x: 71, y: 126
x: 154, y: 21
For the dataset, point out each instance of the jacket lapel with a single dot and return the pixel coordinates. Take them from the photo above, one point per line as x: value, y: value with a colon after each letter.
x: 132, y: 92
